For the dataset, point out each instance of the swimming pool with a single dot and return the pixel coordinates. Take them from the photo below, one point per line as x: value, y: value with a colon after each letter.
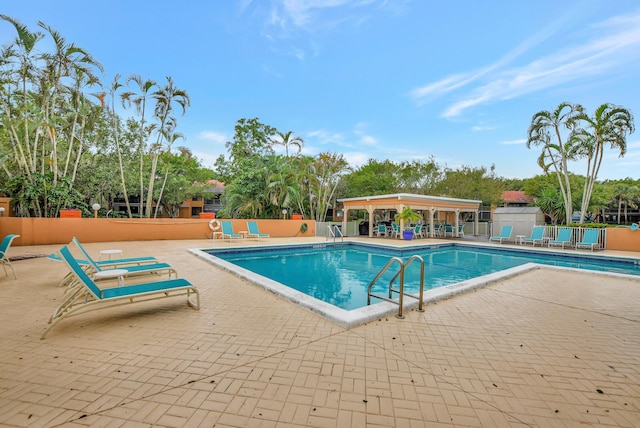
x: 338, y: 275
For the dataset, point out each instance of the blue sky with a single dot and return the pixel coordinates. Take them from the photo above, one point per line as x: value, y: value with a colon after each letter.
x: 385, y: 79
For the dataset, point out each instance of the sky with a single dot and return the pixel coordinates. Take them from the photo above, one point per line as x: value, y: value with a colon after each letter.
x: 457, y: 81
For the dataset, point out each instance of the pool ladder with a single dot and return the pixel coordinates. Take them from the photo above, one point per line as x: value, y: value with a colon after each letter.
x: 335, y: 231
x: 400, y: 291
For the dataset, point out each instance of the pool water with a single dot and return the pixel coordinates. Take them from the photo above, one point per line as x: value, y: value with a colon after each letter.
x: 340, y: 275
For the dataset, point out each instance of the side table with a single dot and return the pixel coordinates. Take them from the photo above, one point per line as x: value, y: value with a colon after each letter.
x: 110, y: 253
x: 111, y: 273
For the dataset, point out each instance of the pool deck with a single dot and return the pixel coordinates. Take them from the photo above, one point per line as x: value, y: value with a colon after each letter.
x: 547, y: 348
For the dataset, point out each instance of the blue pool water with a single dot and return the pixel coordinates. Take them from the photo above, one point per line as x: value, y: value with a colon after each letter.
x: 340, y: 275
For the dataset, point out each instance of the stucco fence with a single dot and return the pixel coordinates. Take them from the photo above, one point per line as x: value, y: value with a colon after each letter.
x: 45, y: 231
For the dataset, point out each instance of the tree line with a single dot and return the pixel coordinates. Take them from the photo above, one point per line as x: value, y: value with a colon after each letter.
x: 61, y: 141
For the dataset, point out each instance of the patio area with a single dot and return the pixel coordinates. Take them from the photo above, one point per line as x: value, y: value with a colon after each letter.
x: 549, y: 348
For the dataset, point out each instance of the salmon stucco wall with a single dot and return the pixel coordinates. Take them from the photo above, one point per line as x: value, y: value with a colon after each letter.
x: 623, y: 239
x: 45, y: 231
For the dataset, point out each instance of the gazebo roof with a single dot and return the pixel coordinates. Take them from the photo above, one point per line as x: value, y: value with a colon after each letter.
x: 415, y: 201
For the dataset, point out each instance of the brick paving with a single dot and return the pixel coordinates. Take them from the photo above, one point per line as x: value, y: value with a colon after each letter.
x: 549, y: 348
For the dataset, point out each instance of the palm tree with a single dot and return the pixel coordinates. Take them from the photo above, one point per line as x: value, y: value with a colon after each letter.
x: 555, y: 154
x: 68, y: 61
x: 44, y: 105
x: 550, y: 202
x: 115, y: 86
x: 610, y: 125
x: 625, y: 194
x: 326, y: 172
x: 171, y: 137
x: 281, y: 184
x: 165, y: 97
x: 17, y: 118
x: 287, y: 139
x: 139, y: 101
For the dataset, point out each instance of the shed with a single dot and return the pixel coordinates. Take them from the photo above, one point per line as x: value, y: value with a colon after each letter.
x: 521, y: 218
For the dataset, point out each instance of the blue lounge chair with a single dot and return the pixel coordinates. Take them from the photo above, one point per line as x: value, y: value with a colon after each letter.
x: 146, y: 268
x: 505, y: 234
x: 85, y: 296
x: 141, y: 264
x: 254, y: 231
x: 395, y: 230
x: 115, y: 263
x: 418, y: 231
x: 227, y: 230
x: 4, y: 259
x: 537, y: 235
x: 448, y: 229
x: 563, y: 238
x: 589, y: 239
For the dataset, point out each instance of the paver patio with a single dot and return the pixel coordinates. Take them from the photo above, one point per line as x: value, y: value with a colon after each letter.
x: 549, y: 348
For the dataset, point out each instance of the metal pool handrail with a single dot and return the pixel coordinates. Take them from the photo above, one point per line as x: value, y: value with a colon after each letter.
x: 332, y: 231
x: 400, y: 291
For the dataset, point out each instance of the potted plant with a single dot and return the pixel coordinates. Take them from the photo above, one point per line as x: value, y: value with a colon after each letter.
x: 407, y: 215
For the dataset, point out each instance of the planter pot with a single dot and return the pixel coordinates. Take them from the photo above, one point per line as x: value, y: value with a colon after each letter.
x: 407, y: 235
x: 70, y: 214
x: 207, y: 215
x: 296, y: 216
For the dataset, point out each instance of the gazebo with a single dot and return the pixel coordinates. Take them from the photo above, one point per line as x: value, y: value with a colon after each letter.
x: 437, y: 207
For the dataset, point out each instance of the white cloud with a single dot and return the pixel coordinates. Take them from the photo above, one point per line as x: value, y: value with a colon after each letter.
x: 511, y: 142
x: 478, y: 128
x: 207, y: 159
x: 357, y: 159
x: 615, y: 44
x: 289, y: 19
x: 212, y: 136
x: 368, y: 140
x: 326, y: 137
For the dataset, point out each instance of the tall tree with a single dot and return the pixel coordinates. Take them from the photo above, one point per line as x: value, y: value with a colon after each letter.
x: 551, y: 203
x: 287, y: 139
x: 46, y: 111
x: 326, y: 172
x: 21, y: 58
x: 418, y: 176
x: 625, y: 195
x: 373, y: 178
x: 609, y: 125
x: 170, y: 136
x: 547, y: 130
x: 471, y: 183
x: 115, y: 126
x: 281, y: 183
x: 139, y: 101
x: 165, y: 97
